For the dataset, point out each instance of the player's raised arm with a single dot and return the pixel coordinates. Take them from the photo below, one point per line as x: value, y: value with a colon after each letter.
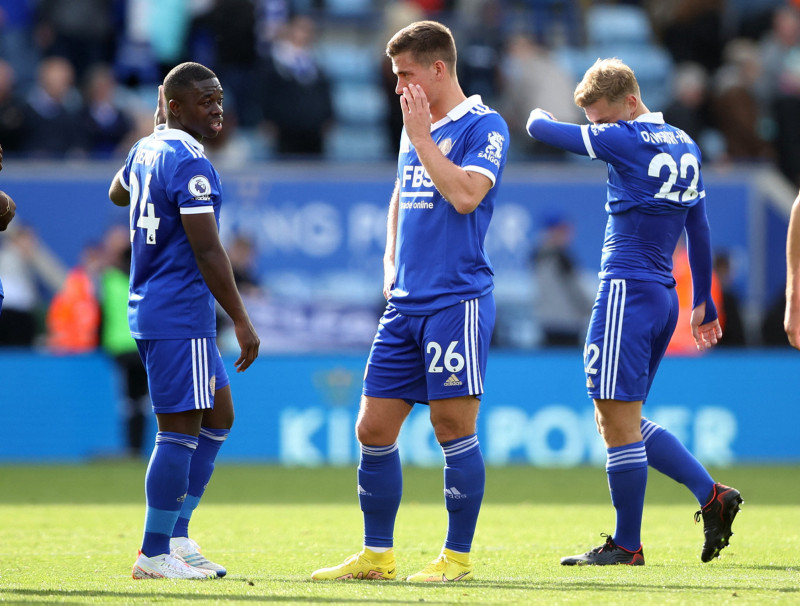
x: 215, y: 266
x: 465, y: 190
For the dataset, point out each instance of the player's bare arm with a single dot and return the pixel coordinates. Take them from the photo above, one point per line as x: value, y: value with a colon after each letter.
x: 389, y: 271
x: 463, y: 189
x: 118, y: 194
x: 791, y: 322
x: 214, y: 264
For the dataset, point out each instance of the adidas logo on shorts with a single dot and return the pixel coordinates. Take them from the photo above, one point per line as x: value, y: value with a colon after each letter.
x: 452, y: 382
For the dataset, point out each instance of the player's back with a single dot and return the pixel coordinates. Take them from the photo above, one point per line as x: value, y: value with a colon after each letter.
x: 168, y: 176
x: 654, y: 178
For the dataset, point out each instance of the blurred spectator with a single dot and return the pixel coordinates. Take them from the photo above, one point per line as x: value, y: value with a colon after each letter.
x: 787, y: 118
x: 561, y: 302
x: 774, y: 48
x: 116, y: 340
x: 104, y: 125
x: 682, y: 342
x: 480, y: 41
x: 243, y: 261
x: 691, y: 30
x: 689, y: 109
x: 228, y: 29
x: 396, y: 17
x: 730, y: 310
x: 81, y: 31
x: 12, y: 110
x: 297, y: 99
x: 737, y: 111
x: 52, y: 116
x: 28, y: 267
x: 533, y: 78
x: 16, y: 34
x: 73, y: 317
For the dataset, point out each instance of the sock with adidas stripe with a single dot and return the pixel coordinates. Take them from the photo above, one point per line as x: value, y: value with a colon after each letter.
x: 666, y: 453
x: 464, y: 484
x: 380, y: 486
x: 626, y: 467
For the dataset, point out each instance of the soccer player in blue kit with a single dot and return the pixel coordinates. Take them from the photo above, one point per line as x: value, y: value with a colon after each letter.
x: 655, y: 193
x: 178, y: 269
x: 432, y: 341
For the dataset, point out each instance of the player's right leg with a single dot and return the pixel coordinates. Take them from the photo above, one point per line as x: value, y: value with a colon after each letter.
x: 172, y: 374
x: 380, y: 487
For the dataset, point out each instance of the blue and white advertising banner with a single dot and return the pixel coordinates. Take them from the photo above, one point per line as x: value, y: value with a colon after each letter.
x: 728, y: 408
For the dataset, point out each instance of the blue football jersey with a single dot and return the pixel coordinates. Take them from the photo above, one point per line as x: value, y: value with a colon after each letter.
x: 654, y: 178
x: 439, y: 254
x: 168, y: 175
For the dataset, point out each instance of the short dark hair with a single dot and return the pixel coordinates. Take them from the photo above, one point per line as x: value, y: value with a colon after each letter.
x: 182, y: 77
x: 427, y: 41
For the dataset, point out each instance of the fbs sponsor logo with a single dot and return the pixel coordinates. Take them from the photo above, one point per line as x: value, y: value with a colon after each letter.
x: 453, y: 381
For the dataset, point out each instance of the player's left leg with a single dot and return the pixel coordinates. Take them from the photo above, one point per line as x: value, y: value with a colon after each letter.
x: 216, y: 426
x: 454, y: 423
x: 456, y: 344
x: 719, y: 504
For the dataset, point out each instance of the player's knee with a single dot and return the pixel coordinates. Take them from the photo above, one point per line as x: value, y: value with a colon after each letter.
x: 448, y: 428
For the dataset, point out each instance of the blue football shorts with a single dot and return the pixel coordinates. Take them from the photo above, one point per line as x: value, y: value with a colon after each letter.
x: 424, y: 358
x: 631, y: 325
x: 182, y: 374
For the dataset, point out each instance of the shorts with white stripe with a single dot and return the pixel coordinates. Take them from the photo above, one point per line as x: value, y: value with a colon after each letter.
x: 182, y: 374
x: 631, y: 325
x: 423, y: 358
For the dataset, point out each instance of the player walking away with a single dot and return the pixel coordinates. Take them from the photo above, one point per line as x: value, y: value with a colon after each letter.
x: 432, y: 341
x: 7, y: 211
x: 655, y: 192
x: 178, y: 269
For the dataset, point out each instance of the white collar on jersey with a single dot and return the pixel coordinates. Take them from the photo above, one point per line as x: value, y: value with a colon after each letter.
x: 163, y: 133
x: 654, y: 117
x: 459, y: 110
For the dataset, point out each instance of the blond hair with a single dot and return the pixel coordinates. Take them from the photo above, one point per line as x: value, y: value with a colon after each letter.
x: 427, y: 41
x: 610, y: 79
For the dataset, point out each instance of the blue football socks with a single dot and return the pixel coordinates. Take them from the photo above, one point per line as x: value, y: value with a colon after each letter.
x: 380, y: 487
x: 626, y: 467
x: 166, y: 483
x: 666, y: 453
x: 208, y: 445
x: 464, y: 484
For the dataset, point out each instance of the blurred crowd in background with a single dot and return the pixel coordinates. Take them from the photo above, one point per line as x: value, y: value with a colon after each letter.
x: 308, y: 79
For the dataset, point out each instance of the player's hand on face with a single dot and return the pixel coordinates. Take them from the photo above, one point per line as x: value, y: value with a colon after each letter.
x: 160, y: 117
x: 248, y: 345
x: 416, y: 112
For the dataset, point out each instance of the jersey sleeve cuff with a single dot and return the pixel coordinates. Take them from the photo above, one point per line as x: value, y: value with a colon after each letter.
x: 196, y: 210
x: 482, y: 171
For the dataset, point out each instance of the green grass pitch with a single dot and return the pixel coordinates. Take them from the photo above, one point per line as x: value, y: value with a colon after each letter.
x: 69, y: 534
